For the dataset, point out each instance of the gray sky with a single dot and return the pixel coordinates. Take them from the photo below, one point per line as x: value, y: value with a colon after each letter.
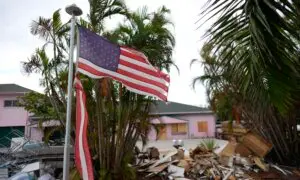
x: 17, y: 44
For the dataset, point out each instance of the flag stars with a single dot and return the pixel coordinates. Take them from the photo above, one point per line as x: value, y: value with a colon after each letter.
x: 98, y: 50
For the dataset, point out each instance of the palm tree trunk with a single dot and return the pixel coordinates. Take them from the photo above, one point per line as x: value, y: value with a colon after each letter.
x: 99, y: 122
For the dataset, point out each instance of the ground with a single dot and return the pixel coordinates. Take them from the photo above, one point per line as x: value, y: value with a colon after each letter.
x: 167, y: 145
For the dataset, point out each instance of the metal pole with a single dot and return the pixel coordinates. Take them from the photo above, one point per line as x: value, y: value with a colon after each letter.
x: 74, y: 11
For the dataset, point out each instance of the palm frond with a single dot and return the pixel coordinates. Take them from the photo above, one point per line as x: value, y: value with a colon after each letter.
x: 261, y: 27
x: 56, y: 21
x: 41, y: 27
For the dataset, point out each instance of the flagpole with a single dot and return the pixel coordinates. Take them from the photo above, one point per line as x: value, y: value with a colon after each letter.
x: 74, y: 11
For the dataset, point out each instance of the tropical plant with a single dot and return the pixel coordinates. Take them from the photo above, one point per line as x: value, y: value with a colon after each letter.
x: 221, y: 91
x: 100, y: 10
x: 38, y: 104
x: 253, y: 67
x: 264, y: 36
x: 150, y: 34
x: 208, y: 144
x: 54, y: 33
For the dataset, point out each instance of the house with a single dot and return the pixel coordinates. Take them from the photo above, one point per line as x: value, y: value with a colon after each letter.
x: 181, y: 121
x: 173, y: 120
x: 13, y: 119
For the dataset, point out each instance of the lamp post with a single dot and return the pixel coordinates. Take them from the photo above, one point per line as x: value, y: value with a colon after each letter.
x: 74, y: 11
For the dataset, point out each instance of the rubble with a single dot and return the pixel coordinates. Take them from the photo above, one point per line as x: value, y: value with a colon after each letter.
x: 153, y: 153
x: 235, y: 161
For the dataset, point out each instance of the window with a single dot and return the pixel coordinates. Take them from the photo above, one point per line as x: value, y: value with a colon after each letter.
x: 202, y: 126
x: 11, y: 103
x: 179, y: 128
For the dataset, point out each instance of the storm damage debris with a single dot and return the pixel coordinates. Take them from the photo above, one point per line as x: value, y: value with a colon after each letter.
x: 234, y: 161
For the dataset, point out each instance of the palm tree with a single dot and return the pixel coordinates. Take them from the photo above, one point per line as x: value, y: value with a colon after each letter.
x: 54, y: 33
x: 221, y: 88
x: 125, y: 115
x: 100, y: 10
x: 39, y: 62
x: 256, y: 56
x: 150, y: 34
x: 118, y: 118
x: 266, y: 32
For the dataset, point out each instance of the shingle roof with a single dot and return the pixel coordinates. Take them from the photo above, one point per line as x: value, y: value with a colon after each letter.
x: 163, y: 108
x: 13, y: 88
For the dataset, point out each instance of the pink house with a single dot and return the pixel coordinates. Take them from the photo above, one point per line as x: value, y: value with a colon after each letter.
x: 13, y: 119
x: 181, y: 121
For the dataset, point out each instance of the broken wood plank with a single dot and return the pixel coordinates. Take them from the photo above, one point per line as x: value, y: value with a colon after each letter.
x: 258, y: 145
x: 260, y: 164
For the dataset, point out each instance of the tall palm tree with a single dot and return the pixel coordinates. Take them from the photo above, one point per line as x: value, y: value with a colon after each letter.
x: 255, y: 45
x: 125, y: 115
x: 54, y: 33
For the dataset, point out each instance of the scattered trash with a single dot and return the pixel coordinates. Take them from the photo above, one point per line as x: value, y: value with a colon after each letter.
x: 46, y: 177
x: 167, y: 158
x: 22, y: 176
x: 31, y: 167
x: 260, y: 164
x: 176, y: 171
x: 179, y: 155
x: 153, y: 153
x: 235, y: 161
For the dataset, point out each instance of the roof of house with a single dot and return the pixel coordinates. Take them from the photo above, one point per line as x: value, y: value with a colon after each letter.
x: 173, y: 108
x: 13, y: 88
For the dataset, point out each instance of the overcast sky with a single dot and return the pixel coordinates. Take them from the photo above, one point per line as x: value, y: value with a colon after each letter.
x: 17, y: 44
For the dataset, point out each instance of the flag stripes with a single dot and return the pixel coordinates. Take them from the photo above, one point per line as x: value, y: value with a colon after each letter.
x: 88, y: 68
x: 133, y: 71
x: 82, y: 153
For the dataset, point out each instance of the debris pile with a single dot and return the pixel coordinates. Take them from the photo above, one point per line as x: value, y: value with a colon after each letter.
x: 243, y: 160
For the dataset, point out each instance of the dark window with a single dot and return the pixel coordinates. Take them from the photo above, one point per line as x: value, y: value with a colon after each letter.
x: 11, y: 103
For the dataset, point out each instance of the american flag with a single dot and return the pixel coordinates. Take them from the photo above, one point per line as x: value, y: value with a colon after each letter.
x: 83, y: 158
x: 100, y: 58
